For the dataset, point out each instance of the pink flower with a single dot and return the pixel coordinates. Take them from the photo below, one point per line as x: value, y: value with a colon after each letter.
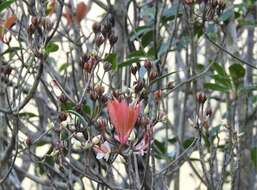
x: 142, y: 146
x: 103, y: 151
x: 123, y: 117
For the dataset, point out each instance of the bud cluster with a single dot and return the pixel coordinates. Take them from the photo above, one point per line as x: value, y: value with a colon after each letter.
x: 104, y: 31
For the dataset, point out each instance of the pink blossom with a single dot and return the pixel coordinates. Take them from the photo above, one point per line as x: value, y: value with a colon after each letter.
x: 123, y: 117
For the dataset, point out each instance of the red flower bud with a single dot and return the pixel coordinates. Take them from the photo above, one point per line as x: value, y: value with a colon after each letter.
x: 96, y: 27
x: 158, y: 95
x: 153, y: 75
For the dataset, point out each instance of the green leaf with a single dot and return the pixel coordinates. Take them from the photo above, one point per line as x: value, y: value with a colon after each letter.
x: 188, y: 142
x: 86, y: 108
x: 237, y: 71
x: 139, y: 31
x: 27, y: 114
x: 161, y: 146
x: 64, y: 67
x: 11, y: 50
x: 226, y: 15
x: 112, y: 58
x: 219, y: 69
x: 68, y: 105
x: 137, y: 53
x: 215, y: 87
x: 129, y: 62
x: 147, y: 38
x: 215, y: 131
x: 173, y: 140
x: 49, y: 160
x: 165, y: 47
x: 51, y: 47
x: 170, y: 12
x: 64, y: 135
x: 78, y: 115
x: 222, y: 81
x: 5, y: 4
x: 254, y: 156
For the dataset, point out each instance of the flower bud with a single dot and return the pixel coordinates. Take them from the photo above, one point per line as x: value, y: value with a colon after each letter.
x: 85, y: 58
x: 28, y: 141
x: 101, y: 123
x: 113, y: 39
x: 144, y: 120
x: 96, y: 27
x: 96, y: 140
x: 153, y: 75
x: 139, y: 85
x: 99, y: 40
x: 104, y: 99
x: 201, y: 97
x: 107, y: 67
x: 63, y: 116
x: 47, y: 24
x: 34, y: 21
x: 8, y: 70
x: 88, y: 67
x: 99, y: 90
x: 170, y: 85
x: 157, y: 95
x: 78, y: 108
x: 62, y: 98
x: 31, y: 29
x: 106, y: 30
x: 208, y: 112
x: 134, y: 70
x: 93, y: 96
x: 148, y: 65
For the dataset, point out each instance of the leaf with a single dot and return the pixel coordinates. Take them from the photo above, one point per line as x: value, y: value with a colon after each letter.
x: 147, y: 38
x: 188, y: 142
x: 139, y: 31
x: 173, y: 140
x: 137, y: 53
x: 160, y: 147
x: 51, y: 47
x: 171, y: 12
x: 226, y: 15
x: 222, y: 81
x: 27, y: 114
x: 215, y: 87
x: 219, y: 69
x: 129, y: 62
x: 78, y: 115
x: 9, y: 22
x: 5, y: 4
x: 237, y: 71
x: 112, y: 58
x: 64, y: 67
x: 86, y: 108
x: 68, y: 105
x: 254, y: 156
x: 11, y: 50
x: 64, y: 135
x: 165, y: 47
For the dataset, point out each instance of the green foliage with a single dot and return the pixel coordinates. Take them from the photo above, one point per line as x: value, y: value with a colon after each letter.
x: 5, y: 4
x: 112, y: 58
x: 224, y: 82
x: 254, y: 156
x: 51, y: 47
